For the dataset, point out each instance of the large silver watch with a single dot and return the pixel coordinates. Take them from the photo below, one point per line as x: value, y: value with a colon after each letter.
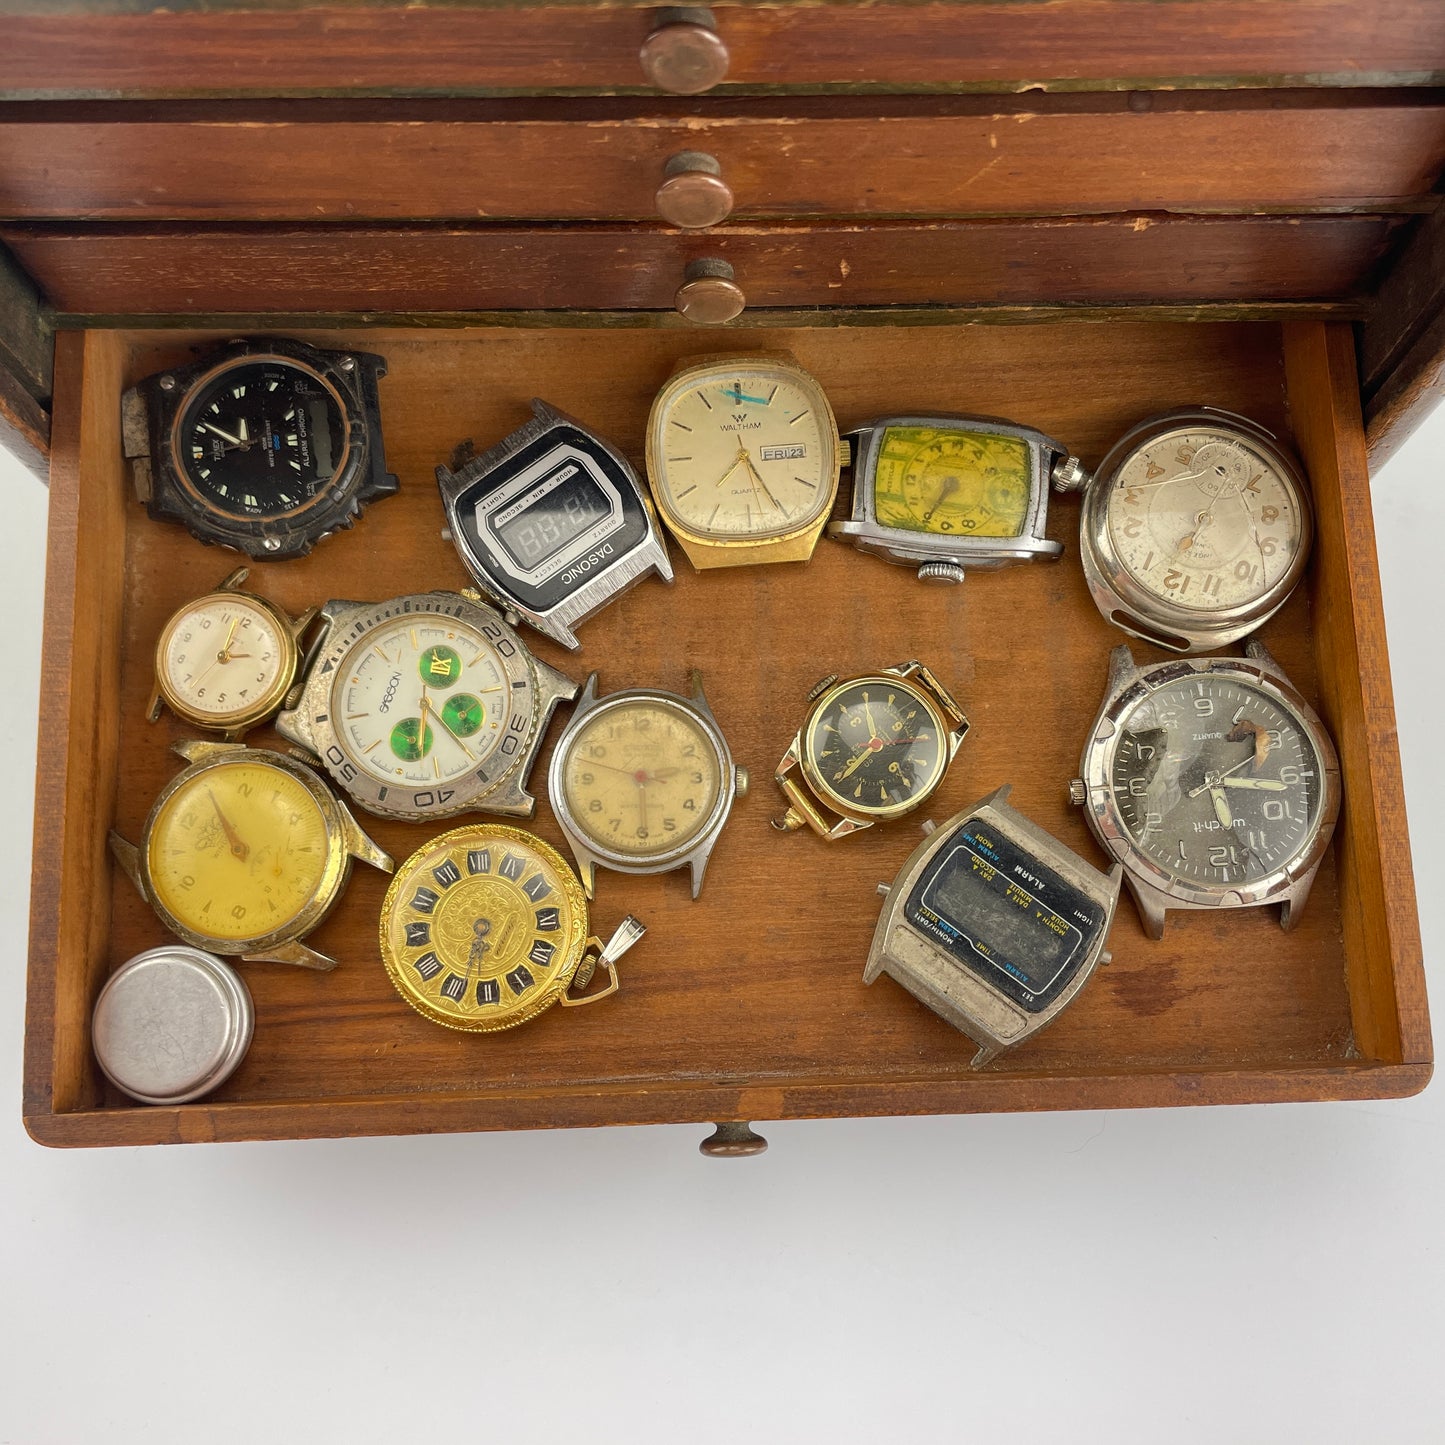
x: 425, y: 706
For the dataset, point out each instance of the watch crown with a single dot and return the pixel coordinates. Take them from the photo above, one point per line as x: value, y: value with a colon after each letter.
x: 741, y: 782
x: 946, y: 574
x: 1069, y: 475
x: 1078, y: 793
x: 822, y: 685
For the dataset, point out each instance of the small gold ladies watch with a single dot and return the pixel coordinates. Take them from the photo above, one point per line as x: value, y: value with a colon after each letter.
x: 226, y: 661
x: 743, y: 456
x: 871, y: 748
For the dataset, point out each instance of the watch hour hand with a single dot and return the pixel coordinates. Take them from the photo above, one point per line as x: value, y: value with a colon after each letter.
x: 1271, y: 785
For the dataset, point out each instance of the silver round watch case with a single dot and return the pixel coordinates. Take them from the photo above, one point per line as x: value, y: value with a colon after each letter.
x: 695, y: 850
x: 1198, y: 569
x: 172, y: 1024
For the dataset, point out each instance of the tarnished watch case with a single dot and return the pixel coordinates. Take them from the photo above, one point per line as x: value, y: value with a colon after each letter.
x: 984, y: 1011
x: 1154, y: 890
x: 631, y: 515
x: 1132, y: 608
x: 345, y: 840
x: 498, y: 785
x: 151, y: 414
x: 947, y: 560
x: 693, y: 854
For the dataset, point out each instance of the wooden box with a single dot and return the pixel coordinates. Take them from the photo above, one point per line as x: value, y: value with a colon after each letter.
x: 1074, y: 259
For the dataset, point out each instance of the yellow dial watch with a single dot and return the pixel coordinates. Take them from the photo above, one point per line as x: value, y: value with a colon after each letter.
x: 743, y: 456
x: 245, y: 852
x: 485, y: 927
x: 226, y: 661
x: 871, y: 748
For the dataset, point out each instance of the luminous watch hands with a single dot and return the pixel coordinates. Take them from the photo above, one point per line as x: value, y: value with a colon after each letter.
x: 238, y: 848
x: 1214, y: 781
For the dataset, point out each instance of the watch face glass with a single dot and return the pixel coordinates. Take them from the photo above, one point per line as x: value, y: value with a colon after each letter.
x: 1202, y: 519
x: 952, y: 482
x: 423, y: 699
x: 260, y: 437
x: 1215, y: 781
x: 552, y: 518
x: 480, y: 926
x: 223, y: 657
x: 642, y: 777
x: 238, y: 851
x: 876, y: 745
x: 744, y: 453
x: 1003, y: 914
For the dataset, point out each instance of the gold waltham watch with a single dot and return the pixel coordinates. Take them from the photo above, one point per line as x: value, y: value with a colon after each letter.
x: 871, y: 748
x: 485, y: 927
x: 245, y: 852
x: 226, y: 661
x: 743, y: 456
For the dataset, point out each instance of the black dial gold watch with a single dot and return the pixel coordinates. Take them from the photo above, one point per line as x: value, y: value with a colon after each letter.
x: 266, y: 446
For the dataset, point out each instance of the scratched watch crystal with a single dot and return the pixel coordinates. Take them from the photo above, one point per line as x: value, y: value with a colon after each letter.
x: 952, y: 482
x: 876, y: 746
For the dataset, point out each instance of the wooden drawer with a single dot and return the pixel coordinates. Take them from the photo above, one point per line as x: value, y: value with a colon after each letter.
x: 133, y: 47
x: 747, y: 1004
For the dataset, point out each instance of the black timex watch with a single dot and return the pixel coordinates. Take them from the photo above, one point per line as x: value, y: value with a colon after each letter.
x: 552, y: 523
x: 265, y: 446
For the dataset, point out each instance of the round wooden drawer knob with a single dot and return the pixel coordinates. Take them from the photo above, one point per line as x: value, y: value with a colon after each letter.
x: 693, y: 193
x: 684, y: 54
x: 733, y: 1140
x: 709, y: 295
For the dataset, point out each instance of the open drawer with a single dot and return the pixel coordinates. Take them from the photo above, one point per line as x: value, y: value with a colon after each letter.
x: 748, y: 1003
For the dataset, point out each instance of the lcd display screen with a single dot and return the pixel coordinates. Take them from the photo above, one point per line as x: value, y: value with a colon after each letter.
x: 550, y: 516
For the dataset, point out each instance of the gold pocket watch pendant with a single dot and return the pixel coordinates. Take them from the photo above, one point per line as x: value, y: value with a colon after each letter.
x: 245, y: 852
x: 226, y: 661
x: 485, y: 927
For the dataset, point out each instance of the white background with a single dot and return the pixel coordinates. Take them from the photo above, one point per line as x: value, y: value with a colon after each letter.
x: 1221, y: 1275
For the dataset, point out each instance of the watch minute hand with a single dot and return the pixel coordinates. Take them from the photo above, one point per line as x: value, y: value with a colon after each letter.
x: 1272, y: 785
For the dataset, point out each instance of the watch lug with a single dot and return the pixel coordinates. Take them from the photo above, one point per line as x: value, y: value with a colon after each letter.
x: 292, y: 725
x: 233, y: 581
x: 359, y: 845
x: 153, y: 711
x: 1258, y: 652
x: 295, y: 953
x: 1121, y: 667
x: 698, y: 865
x: 1151, y: 906
x: 553, y: 687
x: 1293, y: 903
x: 128, y: 856
x: 515, y: 802
x: 199, y: 750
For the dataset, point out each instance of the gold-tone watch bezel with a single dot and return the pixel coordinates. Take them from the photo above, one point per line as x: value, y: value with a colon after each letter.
x: 795, y: 543
x: 335, y: 869
x: 432, y: 853
x: 848, y: 807
x: 260, y: 358
x: 255, y: 712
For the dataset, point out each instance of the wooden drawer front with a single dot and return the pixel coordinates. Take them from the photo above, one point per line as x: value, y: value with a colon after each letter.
x: 107, y: 270
x: 1283, y: 151
x: 226, y: 49
x: 747, y: 1003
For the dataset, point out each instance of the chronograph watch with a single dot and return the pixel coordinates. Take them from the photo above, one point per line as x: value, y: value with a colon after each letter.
x: 425, y: 706
x: 265, y: 446
x: 743, y: 455
x: 871, y: 748
x: 1194, y: 530
x: 949, y: 494
x: 1212, y: 781
x: 642, y: 781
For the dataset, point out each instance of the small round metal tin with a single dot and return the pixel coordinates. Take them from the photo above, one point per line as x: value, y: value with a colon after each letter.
x: 171, y: 1025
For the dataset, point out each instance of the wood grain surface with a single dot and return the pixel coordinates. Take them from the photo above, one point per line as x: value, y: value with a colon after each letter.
x: 112, y: 268
x: 227, y: 49
x: 576, y: 160
x: 748, y: 1002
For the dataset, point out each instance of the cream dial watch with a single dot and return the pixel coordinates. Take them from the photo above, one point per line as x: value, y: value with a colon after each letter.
x: 743, y: 456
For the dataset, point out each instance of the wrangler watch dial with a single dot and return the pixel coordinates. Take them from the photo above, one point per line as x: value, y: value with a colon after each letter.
x: 485, y: 927
x: 1212, y: 781
x: 425, y: 706
x: 743, y: 456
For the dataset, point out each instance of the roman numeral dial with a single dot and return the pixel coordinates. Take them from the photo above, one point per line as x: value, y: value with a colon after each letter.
x: 483, y: 928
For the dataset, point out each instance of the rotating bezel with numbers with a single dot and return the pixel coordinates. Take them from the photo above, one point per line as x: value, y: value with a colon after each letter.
x: 425, y: 706
x: 1212, y: 781
x: 1195, y: 529
x: 485, y: 927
